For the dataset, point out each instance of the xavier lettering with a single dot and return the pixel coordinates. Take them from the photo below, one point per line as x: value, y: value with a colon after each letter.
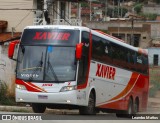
x: 105, y: 71
x: 51, y: 36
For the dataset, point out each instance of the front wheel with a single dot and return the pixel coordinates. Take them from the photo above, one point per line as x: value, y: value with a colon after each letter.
x: 90, y: 109
x: 38, y: 108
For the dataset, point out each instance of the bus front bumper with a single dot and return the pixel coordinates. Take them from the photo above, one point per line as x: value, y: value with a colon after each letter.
x: 67, y: 97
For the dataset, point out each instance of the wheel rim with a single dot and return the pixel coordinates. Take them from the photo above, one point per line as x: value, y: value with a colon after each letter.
x: 91, y: 104
x: 136, y: 107
x: 130, y: 108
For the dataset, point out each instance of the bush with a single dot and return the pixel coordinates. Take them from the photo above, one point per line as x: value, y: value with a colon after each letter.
x: 138, y: 7
x: 149, y: 16
x: 4, y: 98
x: 154, y: 82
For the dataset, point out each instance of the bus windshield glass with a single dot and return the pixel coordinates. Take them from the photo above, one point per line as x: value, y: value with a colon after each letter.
x: 47, y: 55
x: 46, y: 63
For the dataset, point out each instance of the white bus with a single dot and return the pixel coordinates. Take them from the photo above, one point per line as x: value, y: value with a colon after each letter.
x: 74, y: 67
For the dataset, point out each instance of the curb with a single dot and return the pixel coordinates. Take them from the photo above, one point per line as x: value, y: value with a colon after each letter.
x: 28, y: 109
x: 15, y: 108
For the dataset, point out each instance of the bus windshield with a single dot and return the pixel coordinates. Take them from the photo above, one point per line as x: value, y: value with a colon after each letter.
x: 46, y: 63
x: 47, y: 55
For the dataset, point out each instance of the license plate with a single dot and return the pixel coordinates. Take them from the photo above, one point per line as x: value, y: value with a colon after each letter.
x: 42, y: 97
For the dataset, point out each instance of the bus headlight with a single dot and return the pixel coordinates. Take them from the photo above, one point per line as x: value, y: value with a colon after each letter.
x: 21, y: 87
x: 68, y: 88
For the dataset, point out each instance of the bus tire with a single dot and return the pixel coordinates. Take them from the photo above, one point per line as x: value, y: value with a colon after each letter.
x: 130, y: 110
x: 136, y: 106
x: 38, y: 108
x: 90, y: 109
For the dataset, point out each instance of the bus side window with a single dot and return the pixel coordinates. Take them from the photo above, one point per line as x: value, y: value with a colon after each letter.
x: 128, y: 57
x: 140, y: 63
x: 119, y: 55
x: 107, y: 54
x: 83, y: 63
x: 145, y: 63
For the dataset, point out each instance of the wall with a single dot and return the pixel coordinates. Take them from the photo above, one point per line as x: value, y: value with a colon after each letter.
x: 16, y: 18
x: 151, y: 52
x: 152, y: 9
x: 7, y: 68
x: 148, y: 29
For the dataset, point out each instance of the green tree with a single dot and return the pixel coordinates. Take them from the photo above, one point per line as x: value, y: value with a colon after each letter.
x: 148, y: 16
x: 138, y: 7
x: 156, y: 1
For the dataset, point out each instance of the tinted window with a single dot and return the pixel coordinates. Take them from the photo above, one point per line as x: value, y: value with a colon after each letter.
x: 83, y: 63
x: 117, y: 55
x: 101, y: 50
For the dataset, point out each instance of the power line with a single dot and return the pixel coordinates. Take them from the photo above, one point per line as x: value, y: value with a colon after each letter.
x: 22, y: 19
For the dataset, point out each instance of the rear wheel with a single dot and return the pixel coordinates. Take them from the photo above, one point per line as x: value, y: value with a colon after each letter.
x: 38, y: 108
x: 136, y: 107
x: 90, y: 109
x: 129, y: 112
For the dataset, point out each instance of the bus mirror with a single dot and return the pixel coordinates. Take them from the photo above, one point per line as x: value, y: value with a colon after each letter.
x: 79, y: 51
x: 11, y: 49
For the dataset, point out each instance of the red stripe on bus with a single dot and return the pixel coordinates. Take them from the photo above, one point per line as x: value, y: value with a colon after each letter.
x: 136, y: 83
x: 29, y: 86
x: 130, y: 85
x: 132, y: 82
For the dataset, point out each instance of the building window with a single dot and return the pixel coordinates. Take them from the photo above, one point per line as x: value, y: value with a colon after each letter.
x: 155, y: 60
x: 40, y: 4
x: 144, y: 38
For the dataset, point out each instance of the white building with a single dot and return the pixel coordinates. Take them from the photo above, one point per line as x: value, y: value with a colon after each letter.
x: 17, y: 13
x: 56, y: 12
x: 154, y: 56
x: 21, y: 13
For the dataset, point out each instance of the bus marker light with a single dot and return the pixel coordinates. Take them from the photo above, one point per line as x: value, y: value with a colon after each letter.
x: 68, y: 101
x: 21, y: 87
x: 79, y: 51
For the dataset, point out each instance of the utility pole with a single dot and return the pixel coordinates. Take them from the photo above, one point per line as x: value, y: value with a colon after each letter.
x: 90, y: 7
x: 118, y: 7
x: 132, y: 34
x: 106, y: 3
x: 113, y: 10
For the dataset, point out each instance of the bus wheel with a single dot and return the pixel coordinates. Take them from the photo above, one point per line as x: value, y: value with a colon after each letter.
x: 90, y: 109
x: 130, y: 111
x: 136, y: 107
x: 38, y: 108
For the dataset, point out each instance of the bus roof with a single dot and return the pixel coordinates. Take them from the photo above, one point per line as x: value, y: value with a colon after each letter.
x: 95, y: 32
x: 57, y: 27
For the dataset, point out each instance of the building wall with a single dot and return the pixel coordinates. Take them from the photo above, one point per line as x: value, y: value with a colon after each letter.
x: 7, y: 70
x: 147, y: 29
x: 155, y: 29
x: 152, y: 9
x: 151, y: 52
x: 16, y: 18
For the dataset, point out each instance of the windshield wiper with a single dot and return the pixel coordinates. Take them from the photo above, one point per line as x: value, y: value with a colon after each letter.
x: 39, y: 65
x: 52, y: 69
